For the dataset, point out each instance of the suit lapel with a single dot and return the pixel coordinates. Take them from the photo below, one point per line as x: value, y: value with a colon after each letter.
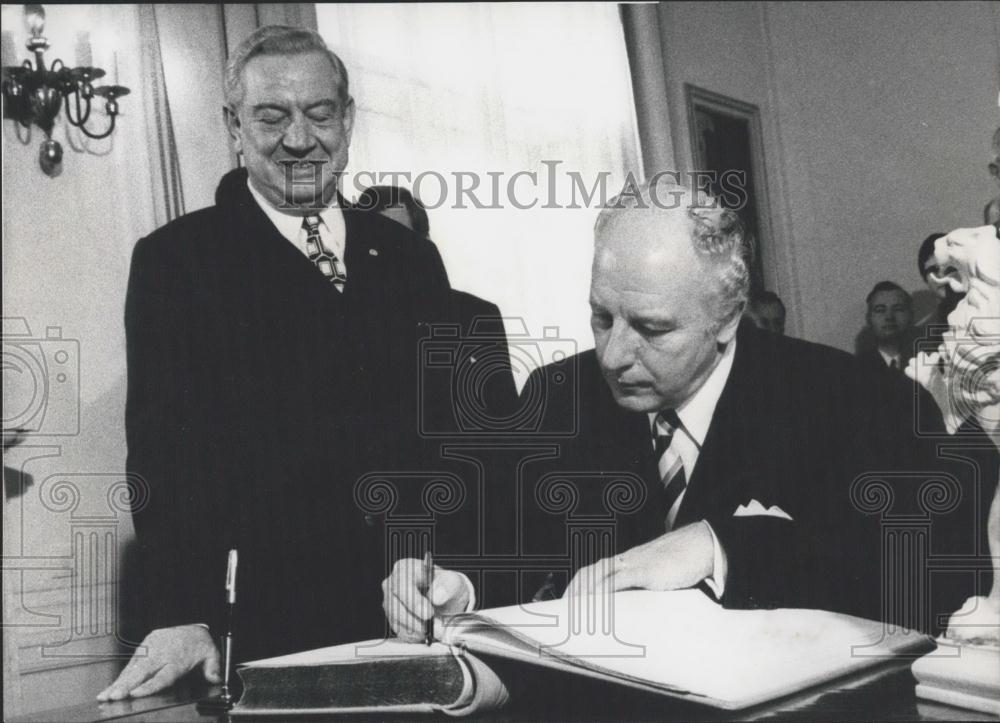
x: 719, y: 462
x: 265, y: 257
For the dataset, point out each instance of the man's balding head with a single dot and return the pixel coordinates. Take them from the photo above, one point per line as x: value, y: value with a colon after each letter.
x: 283, y: 41
x: 714, y: 233
x: 669, y: 283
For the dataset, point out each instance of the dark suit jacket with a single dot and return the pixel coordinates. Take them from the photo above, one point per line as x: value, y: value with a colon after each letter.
x: 482, y: 391
x: 796, y: 425
x: 873, y: 361
x: 257, y: 396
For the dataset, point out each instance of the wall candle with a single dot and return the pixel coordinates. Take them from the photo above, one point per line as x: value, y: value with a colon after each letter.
x: 83, y: 54
x: 8, y: 52
x: 116, y: 66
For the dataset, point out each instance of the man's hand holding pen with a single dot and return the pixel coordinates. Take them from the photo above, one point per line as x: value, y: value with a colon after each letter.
x: 170, y: 653
x: 409, y: 604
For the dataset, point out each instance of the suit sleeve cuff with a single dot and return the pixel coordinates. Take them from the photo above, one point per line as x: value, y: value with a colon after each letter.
x: 716, y: 582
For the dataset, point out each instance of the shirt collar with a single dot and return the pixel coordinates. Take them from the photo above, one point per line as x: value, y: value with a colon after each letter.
x: 888, y: 357
x: 289, y: 226
x: 696, y: 413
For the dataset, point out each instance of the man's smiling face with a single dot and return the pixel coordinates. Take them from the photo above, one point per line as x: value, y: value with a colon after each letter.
x: 291, y: 126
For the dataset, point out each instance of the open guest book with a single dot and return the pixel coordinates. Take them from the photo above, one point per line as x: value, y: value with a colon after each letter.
x: 679, y: 644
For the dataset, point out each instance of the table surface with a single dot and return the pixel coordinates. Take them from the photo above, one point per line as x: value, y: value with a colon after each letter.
x: 882, y: 693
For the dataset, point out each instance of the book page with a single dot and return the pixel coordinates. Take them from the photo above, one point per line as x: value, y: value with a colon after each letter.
x: 684, y: 642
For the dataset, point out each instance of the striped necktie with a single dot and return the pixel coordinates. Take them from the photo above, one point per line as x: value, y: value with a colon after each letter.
x: 325, y: 260
x: 673, y: 480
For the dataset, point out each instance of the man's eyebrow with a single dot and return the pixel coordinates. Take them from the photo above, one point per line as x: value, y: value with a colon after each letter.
x: 269, y: 106
x: 652, y: 319
x: 325, y: 102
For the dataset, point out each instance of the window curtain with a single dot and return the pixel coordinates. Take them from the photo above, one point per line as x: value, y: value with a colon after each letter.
x: 164, y: 166
x: 484, y: 88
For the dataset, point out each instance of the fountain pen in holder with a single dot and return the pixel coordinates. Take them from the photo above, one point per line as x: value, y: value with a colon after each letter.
x: 225, y: 700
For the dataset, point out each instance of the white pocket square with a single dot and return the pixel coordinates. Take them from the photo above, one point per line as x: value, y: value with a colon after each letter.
x: 755, y: 509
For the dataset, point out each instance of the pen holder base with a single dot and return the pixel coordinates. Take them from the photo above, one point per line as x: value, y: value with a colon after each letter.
x: 216, y: 703
x: 962, y: 675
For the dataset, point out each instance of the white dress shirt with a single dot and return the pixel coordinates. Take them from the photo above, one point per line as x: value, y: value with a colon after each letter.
x: 332, y: 230
x: 696, y: 415
x: 889, y: 358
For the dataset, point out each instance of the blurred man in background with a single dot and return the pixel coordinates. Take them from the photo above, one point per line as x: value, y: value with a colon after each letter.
x: 480, y: 321
x: 767, y: 311
x: 397, y: 204
x: 991, y: 214
x: 890, y: 318
x: 931, y: 326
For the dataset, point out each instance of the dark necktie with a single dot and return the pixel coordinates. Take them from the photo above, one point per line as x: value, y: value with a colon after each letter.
x: 325, y: 260
x: 673, y: 481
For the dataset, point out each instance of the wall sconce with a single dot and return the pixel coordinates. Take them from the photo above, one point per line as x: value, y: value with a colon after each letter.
x: 34, y: 94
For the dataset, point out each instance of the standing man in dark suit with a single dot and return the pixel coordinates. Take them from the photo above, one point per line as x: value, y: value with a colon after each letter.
x: 272, y: 359
x: 890, y: 318
x: 739, y: 451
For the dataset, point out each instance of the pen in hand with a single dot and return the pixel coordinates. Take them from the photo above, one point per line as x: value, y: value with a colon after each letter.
x: 429, y: 577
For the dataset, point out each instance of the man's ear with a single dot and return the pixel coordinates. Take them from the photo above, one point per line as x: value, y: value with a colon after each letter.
x: 234, y: 128
x: 349, y: 119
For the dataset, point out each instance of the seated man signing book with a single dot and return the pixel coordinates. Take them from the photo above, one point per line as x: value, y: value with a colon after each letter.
x: 755, y: 451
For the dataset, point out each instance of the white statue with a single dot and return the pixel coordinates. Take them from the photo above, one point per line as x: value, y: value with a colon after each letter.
x: 963, y: 376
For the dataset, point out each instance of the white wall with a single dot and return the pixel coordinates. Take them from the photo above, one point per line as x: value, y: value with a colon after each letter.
x: 66, y: 247
x: 887, y: 111
x: 876, y: 122
x: 67, y: 243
